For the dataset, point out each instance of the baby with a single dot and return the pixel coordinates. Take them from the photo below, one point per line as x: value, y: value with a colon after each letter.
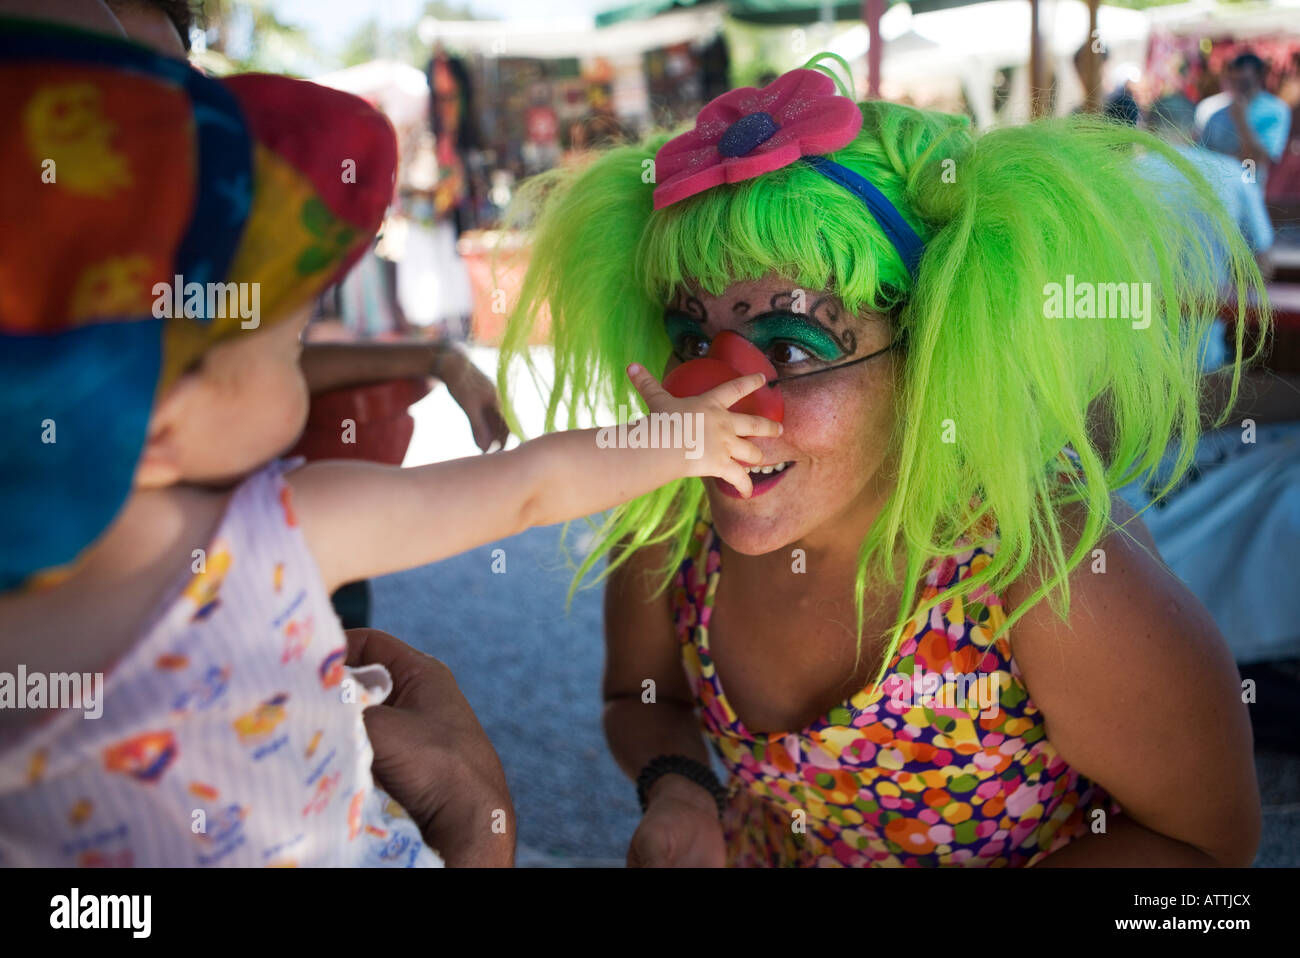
x: 151, y: 534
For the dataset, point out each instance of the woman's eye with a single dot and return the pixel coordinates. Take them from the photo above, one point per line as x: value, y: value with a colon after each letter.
x: 787, y: 354
x: 692, y: 347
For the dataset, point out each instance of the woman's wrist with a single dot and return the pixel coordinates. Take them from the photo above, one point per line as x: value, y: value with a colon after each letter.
x: 438, y: 362
x: 449, y: 365
x: 674, y: 787
x: 690, y: 772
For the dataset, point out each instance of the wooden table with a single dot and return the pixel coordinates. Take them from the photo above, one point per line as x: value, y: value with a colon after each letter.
x: 1286, y: 263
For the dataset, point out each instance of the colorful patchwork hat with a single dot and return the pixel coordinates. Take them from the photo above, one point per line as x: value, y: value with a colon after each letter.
x: 127, y: 178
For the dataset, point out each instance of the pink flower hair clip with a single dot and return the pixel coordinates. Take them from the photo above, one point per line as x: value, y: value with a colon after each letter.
x: 744, y: 133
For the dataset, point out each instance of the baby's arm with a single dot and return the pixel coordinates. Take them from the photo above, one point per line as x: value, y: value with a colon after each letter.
x: 363, y: 519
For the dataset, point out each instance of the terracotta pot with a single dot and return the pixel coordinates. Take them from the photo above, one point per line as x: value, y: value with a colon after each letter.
x: 380, y: 426
x: 496, y: 264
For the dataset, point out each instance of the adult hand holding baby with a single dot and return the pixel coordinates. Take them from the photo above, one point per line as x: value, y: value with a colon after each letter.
x: 433, y: 757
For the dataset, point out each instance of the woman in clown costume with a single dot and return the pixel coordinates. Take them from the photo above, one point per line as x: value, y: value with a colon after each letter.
x: 931, y: 635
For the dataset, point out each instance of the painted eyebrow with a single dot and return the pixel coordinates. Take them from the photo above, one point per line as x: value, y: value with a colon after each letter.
x: 677, y: 314
x: 694, y: 310
x: 778, y: 302
x: 687, y: 305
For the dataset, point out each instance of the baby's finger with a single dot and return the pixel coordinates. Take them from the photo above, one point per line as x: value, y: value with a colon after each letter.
x: 747, y: 425
x: 733, y: 391
x: 744, y: 451
x: 738, y: 476
x: 650, y: 388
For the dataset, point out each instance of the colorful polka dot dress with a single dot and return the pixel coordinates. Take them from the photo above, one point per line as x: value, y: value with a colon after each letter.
x: 946, y: 762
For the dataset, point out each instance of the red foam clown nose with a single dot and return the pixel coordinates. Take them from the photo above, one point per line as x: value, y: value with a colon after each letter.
x: 730, y: 356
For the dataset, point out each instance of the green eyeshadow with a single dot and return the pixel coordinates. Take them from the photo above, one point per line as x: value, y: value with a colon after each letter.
x: 677, y: 325
x: 766, y: 330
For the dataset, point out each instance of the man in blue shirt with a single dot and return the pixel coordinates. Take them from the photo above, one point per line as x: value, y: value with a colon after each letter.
x: 1173, y: 120
x: 1255, y: 124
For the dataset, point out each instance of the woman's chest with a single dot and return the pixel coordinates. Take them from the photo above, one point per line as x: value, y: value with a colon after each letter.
x: 784, y: 656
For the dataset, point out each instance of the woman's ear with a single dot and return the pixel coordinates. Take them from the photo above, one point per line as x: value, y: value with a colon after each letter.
x: 161, y: 461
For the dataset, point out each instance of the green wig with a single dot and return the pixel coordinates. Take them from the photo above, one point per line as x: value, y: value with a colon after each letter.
x: 993, y: 383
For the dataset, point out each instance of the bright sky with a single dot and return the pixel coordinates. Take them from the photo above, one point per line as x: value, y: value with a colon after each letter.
x: 330, y: 22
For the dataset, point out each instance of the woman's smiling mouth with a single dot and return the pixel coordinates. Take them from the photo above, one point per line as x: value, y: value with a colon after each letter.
x: 763, y: 478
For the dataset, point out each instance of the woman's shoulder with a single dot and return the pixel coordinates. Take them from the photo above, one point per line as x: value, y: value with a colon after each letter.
x: 1128, y: 614
x: 1125, y: 555
x: 1139, y: 691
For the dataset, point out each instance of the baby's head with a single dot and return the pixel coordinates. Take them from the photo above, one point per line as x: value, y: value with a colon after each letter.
x: 244, y: 400
x: 252, y: 191
x: 163, y: 25
x: 243, y: 403
x: 84, y: 14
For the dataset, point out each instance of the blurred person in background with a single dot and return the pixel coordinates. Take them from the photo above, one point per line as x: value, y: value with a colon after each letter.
x: 541, y: 147
x: 597, y: 129
x: 433, y: 284
x: 455, y: 128
x: 1173, y: 119
x: 1255, y: 125
x: 1122, y: 105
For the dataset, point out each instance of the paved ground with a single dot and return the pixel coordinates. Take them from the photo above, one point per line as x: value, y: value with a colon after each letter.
x: 1279, y: 785
x: 532, y: 675
x: 531, y: 672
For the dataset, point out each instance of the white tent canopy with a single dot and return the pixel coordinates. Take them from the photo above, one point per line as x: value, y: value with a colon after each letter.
x: 965, y: 47
x: 946, y: 50
x: 574, y: 36
x: 1241, y: 20
x: 400, y: 91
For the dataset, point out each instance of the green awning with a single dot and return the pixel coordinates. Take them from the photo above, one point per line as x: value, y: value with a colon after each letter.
x: 643, y: 10
x: 929, y: 6
x: 790, y: 12
x: 768, y: 12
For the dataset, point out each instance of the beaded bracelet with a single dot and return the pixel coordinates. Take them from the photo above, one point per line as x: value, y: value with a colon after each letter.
x: 689, y: 768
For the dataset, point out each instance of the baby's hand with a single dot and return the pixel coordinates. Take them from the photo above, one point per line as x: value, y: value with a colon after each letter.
x: 719, y: 447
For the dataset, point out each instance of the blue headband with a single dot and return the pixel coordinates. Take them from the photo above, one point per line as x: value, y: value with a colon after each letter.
x: 897, y: 231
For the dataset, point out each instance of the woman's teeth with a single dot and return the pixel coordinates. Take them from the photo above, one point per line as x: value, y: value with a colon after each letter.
x: 767, y: 470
